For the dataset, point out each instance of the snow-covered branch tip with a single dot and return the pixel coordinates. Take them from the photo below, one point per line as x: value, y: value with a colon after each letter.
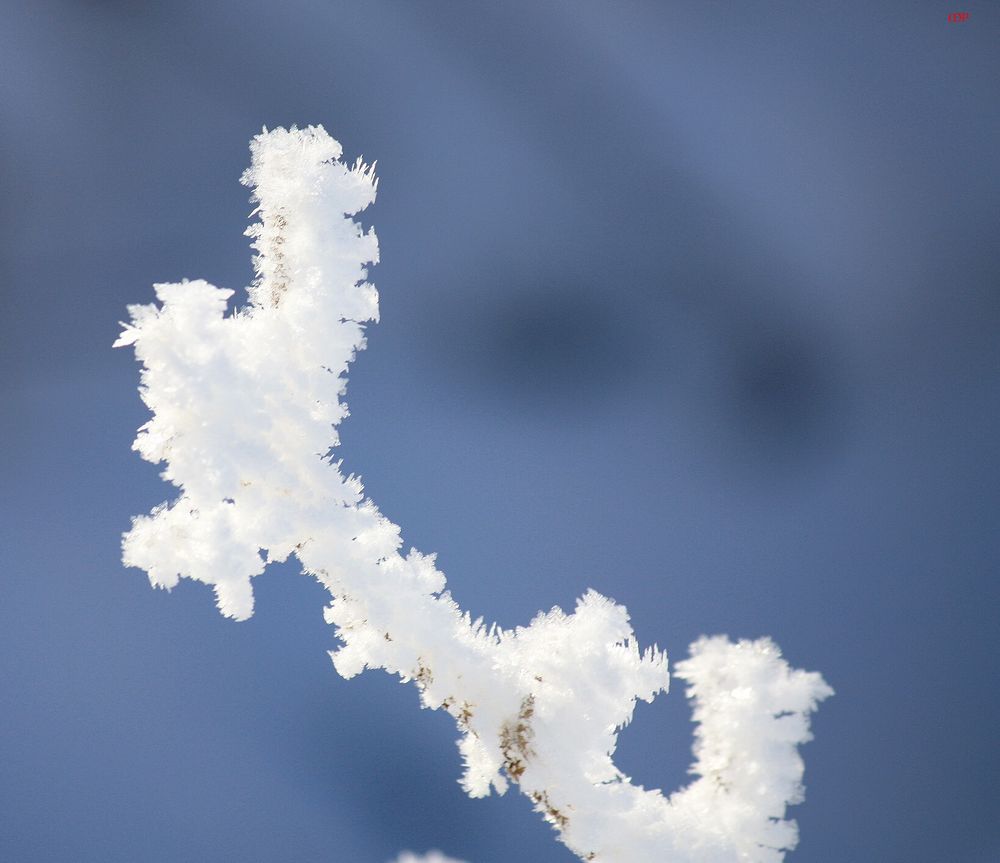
x: 245, y: 408
x: 429, y: 857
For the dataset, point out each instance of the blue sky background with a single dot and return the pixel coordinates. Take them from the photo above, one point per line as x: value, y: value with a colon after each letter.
x: 696, y: 304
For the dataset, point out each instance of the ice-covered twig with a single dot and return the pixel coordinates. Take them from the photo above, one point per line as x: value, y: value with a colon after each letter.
x: 429, y: 857
x: 245, y: 408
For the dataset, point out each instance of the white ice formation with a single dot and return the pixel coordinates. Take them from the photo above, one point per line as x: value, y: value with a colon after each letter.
x: 245, y: 408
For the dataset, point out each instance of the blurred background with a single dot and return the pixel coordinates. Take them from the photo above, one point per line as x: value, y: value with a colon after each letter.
x: 695, y: 304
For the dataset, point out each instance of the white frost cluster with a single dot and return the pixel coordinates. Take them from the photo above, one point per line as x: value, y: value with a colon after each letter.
x: 245, y: 408
x: 429, y: 857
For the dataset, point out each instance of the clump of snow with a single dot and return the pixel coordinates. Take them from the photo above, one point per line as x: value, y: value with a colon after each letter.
x: 245, y: 408
x: 429, y: 857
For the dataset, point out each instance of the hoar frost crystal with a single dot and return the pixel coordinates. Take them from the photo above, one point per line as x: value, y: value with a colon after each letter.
x: 245, y: 409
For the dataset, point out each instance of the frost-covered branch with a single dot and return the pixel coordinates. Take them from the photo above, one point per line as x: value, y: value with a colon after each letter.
x: 429, y: 857
x: 245, y: 409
